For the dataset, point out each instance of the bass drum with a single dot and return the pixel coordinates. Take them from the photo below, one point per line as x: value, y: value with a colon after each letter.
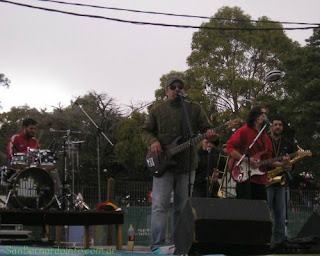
x: 33, y: 188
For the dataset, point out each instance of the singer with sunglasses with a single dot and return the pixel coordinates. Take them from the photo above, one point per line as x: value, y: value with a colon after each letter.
x: 165, y: 123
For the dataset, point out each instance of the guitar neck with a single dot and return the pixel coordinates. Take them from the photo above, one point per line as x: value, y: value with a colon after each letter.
x: 186, y: 144
x: 195, y: 140
x: 269, y: 161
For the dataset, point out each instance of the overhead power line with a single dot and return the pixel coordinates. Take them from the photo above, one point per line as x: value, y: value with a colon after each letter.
x: 152, y: 23
x: 176, y: 15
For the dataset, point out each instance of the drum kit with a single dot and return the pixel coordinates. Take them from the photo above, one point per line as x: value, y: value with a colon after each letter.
x: 32, y: 182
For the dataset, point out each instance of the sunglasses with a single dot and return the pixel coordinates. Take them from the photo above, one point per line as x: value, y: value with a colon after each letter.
x: 173, y: 87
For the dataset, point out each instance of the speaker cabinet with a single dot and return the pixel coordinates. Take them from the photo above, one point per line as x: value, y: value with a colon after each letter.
x: 230, y: 226
x: 312, y: 225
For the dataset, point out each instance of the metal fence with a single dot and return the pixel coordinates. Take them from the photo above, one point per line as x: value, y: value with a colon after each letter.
x: 135, y: 200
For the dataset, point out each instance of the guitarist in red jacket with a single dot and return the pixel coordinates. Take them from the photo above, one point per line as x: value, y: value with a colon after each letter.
x: 254, y: 186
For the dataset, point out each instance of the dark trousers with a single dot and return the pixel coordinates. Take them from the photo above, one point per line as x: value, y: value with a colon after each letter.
x: 249, y: 190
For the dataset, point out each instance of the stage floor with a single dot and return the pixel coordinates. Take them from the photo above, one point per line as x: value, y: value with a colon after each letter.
x: 77, y: 251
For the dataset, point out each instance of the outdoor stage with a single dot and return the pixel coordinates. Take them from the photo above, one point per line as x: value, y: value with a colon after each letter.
x: 89, y: 218
x: 69, y: 218
x: 34, y: 251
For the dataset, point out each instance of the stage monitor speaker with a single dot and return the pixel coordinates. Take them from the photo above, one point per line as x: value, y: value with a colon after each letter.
x: 312, y: 225
x: 228, y: 226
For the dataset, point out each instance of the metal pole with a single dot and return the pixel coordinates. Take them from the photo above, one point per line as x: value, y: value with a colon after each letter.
x: 98, y: 167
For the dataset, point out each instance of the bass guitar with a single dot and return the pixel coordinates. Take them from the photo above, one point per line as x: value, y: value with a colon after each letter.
x: 238, y: 170
x: 157, y: 165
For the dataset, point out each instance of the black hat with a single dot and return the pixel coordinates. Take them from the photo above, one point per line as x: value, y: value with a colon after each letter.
x: 172, y: 79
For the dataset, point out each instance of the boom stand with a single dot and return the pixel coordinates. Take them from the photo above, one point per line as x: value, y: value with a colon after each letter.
x: 99, y: 131
x: 247, y: 153
x: 191, y: 142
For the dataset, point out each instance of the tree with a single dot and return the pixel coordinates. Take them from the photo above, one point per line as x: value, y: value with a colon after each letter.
x: 130, y: 149
x: 231, y: 64
x: 4, y: 81
x: 302, y: 105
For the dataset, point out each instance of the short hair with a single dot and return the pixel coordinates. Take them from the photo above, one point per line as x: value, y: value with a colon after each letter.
x: 253, y: 114
x: 29, y: 121
x: 277, y: 117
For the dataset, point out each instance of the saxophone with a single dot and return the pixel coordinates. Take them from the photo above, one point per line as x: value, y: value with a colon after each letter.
x: 273, y: 175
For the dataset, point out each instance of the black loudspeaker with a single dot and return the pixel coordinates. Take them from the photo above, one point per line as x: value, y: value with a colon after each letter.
x: 312, y: 225
x: 229, y: 226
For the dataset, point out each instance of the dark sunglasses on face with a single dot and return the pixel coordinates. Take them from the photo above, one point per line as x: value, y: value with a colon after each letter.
x: 173, y: 87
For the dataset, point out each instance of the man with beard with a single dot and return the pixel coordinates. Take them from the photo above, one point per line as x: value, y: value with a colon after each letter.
x: 20, y: 143
x: 276, y: 192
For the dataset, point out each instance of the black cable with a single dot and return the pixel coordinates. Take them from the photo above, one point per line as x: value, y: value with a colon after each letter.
x: 176, y: 15
x: 151, y: 23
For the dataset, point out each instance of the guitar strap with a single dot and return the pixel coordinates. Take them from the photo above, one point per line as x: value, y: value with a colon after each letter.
x: 185, y: 128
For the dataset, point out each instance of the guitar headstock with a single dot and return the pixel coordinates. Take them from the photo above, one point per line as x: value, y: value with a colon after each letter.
x: 303, y: 153
x: 230, y: 124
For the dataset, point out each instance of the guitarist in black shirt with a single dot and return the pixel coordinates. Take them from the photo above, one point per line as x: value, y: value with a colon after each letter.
x: 276, y: 191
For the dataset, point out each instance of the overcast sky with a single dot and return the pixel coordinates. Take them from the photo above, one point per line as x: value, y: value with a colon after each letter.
x: 52, y: 58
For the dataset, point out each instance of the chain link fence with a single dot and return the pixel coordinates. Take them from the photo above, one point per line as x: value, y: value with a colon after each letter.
x: 135, y: 200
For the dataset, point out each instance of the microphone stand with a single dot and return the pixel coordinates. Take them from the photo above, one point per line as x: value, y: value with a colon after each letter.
x: 99, y: 131
x: 190, y: 134
x: 247, y: 154
x: 208, y: 171
x: 288, y: 179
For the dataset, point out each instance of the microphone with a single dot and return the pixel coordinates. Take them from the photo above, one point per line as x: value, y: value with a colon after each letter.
x: 267, y: 121
x: 209, y: 150
x: 182, y: 95
x: 75, y: 102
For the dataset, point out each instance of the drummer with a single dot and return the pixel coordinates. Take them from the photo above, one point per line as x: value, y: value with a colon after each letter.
x: 20, y: 143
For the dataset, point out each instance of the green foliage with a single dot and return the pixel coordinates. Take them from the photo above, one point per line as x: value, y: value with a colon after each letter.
x: 130, y: 150
x: 232, y: 63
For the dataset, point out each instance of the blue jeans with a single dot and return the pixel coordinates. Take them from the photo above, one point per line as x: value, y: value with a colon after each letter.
x: 161, y: 191
x: 277, y: 205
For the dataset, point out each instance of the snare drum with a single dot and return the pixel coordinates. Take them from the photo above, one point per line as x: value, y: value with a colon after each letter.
x: 46, y: 159
x: 19, y: 160
x: 33, y: 157
x: 33, y: 188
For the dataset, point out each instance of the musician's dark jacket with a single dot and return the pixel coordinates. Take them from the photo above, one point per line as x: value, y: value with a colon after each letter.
x: 206, y: 163
x: 165, y: 124
x: 287, y: 146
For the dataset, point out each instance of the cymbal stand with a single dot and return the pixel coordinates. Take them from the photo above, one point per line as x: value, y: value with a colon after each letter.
x: 64, y: 171
x: 66, y: 194
x: 74, y: 161
x: 99, y: 131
